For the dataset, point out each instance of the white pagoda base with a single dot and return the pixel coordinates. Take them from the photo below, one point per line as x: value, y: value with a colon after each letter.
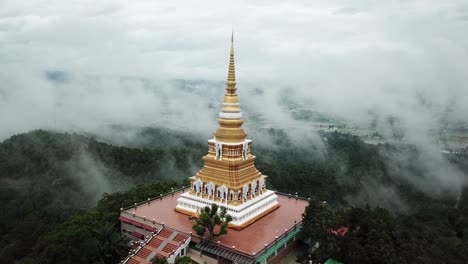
x: 242, y: 215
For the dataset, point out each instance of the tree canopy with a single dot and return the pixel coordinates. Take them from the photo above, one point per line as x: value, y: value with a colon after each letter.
x: 435, y: 235
x: 209, y: 218
x: 61, y: 193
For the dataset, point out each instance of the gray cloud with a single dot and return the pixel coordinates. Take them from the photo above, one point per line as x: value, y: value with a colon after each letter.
x: 83, y: 64
x: 346, y: 58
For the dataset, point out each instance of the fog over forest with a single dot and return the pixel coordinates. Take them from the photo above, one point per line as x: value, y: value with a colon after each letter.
x: 83, y: 65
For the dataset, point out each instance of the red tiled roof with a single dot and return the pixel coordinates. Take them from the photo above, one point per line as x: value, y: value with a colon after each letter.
x: 180, y: 237
x: 165, y: 233
x: 133, y: 261
x: 153, y: 246
x: 340, y: 231
x: 125, y: 219
x: 149, y: 228
x: 144, y: 253
x: 249, y: 240
x: 155, y: 242
x: 169, y: 248
x: 139, y: 235
x: 138, y: 224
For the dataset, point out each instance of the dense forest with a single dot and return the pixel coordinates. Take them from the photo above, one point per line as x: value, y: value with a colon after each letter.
x: 61, y: 192
x: 436, y: 234
x: 46, y: 177
x: 348, y: 172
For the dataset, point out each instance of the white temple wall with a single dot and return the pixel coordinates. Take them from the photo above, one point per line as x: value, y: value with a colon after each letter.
x: 241, y: 213
x: 180, y: 252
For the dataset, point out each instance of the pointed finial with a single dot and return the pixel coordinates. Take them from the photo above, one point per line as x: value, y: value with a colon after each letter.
x: 230, y: 117
x: 231, y: 83
x: 232, y: 43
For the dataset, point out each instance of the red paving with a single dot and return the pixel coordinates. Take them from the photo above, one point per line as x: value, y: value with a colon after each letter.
x: 165, y: 233
x: 169, y: 248
x: 249, y: 240
x: 155, y: 242
x: 144, y: 253
x: 133, y: 261
x: 153, y: 245
x: 179, y: 238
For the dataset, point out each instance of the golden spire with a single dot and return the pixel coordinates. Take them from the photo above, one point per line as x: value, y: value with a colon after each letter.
x: 231, y: 80
x: 230, y: 118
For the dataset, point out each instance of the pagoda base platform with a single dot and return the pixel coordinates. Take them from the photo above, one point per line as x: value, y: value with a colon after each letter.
x: 243, y: 214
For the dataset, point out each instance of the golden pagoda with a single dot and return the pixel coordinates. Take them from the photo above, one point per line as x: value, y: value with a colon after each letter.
x: 229, y: 177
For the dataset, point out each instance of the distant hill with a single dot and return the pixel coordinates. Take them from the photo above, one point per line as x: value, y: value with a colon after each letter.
x: 47, y: 177
x: 332, y: 166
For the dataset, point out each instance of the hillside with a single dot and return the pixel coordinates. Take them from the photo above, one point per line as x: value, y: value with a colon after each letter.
x: 50, y: 182
x: 45, y: 177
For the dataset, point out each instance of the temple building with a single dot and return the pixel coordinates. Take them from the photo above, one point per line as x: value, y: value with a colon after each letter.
x: 265, y: 223
x: 229, y: 177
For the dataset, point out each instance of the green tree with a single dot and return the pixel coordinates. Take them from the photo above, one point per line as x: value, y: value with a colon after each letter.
x: 209, y: 218
x: 183, y: 260
x: 111, y: 245
x: 178, y: 260
x: 319, y: 218
x: 158, y: 260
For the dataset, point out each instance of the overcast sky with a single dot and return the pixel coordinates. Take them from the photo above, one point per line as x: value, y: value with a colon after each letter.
x: 80, y: 65
x: 344, y: 57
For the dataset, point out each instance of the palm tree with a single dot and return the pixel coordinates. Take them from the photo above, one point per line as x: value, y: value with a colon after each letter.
x: 112, y: 246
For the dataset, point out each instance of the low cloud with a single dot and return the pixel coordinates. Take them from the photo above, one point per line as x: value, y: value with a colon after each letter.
x: 84, y: 65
